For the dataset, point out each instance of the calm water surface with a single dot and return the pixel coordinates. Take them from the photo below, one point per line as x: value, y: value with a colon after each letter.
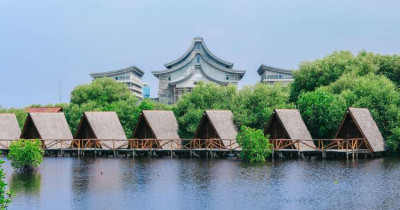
x: 107, y: 183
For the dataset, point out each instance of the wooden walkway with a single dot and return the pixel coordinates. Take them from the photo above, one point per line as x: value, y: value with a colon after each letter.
x: 198, y: 147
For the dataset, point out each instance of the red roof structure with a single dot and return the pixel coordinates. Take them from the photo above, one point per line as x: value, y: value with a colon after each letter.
x: 44, y: 109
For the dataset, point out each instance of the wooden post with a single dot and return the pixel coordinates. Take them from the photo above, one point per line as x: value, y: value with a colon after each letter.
x: 113, y: 146
x: 79, y: 147
x: 298, y: 149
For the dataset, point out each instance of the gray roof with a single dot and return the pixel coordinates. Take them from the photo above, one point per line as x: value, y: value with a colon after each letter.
x: 191, y: 48
x: 162, y: 123
x: 51, y: 125
x: 105, y: 125
x: 295, y: 127
x: 134, y: 69
x: 368, y: 128
x: 9, y: 128
x: 207, y: 57
x: 222, y: 120
x: 264, y: 68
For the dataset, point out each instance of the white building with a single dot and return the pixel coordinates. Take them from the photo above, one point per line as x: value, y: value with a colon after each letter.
x: 131, y: 76
x: 197, y: 64
x: 270, y: 75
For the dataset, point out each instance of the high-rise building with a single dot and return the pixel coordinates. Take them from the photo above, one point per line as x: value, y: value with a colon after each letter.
x: 131, y: 76
x: 146, y: 90
x: 271, y: 75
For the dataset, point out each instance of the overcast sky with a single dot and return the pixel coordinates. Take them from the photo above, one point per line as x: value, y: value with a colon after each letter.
x: 47, y: 42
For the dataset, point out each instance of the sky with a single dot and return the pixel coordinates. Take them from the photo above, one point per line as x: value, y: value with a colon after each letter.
x: 48, y: 47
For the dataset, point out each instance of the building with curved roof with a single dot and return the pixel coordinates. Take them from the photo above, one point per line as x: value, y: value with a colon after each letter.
x: 195, y: 65
x: 271, y: 75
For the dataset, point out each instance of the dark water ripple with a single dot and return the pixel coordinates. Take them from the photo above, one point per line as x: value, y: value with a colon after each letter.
x: 107, y: 183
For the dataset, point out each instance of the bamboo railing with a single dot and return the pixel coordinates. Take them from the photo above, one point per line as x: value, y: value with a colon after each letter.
x: 190, y: 144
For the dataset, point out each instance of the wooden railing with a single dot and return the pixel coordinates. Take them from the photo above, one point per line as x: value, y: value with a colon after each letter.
x: 189, y: 144
x: 320, y: 144
x: 117, y: 144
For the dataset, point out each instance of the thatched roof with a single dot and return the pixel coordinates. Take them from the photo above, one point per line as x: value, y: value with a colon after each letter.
x: 162, y: 123
x: 367, y: 126
x: 9, y: 128
x: 222, y: 123
x: 105, y: 125
x: 163, y: 126
x: 294, y: 126
x: 222, y: 120
x: 50, y: 127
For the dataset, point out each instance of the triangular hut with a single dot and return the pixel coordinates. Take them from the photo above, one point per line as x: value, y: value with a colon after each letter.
x: 159, y: 125
x: 358, y: 123
x: 9, y: 130
x: 217, y: 125
x: 101, y: 126
x: 287, y: 124
x: 49, y: 127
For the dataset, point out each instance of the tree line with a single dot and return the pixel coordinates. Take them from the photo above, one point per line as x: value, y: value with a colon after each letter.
x: 322, y: 91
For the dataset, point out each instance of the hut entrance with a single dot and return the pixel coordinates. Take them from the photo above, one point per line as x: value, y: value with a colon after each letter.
x: 30, y: 130
x: 276, y: 131
x: 350, y: 130
x: 84, y: 133
x: 144, y: 135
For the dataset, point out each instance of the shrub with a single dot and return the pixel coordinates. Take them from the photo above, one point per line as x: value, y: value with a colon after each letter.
x: 25, y: 154
x: 255, y: 146
x: 5, y: 195
x: 322, y: 112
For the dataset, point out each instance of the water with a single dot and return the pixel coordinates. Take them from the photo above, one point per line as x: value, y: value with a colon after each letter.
x: 107, y: 183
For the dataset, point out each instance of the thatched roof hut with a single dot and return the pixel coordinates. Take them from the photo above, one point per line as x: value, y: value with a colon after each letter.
x: 9, y: 129
x: 288, y: 124
x: 358, y: 123
x: 49, y: 127
x: 218, y: 124
x: 161, y: 125
x: 102, y: 126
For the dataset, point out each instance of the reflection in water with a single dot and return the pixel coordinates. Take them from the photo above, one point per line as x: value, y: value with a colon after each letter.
x: 25, y: 183
x: 112, y: 183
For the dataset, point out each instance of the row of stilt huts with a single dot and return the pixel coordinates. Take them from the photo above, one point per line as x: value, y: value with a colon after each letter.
x: 216, y: 130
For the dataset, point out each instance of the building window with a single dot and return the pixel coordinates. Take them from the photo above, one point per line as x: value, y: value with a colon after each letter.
x: 116, y: 78
x: 169, y: 78
x: 228, y: 77
x: 198, y: 58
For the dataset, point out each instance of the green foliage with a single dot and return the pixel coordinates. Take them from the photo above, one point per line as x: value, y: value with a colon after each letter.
x: 104, y: 94
x: 25, y: 154
x: 375, y: 92
x: 321, y: 112
x: 322, y: 72
x: 101, y: 92
x: 204, y: 96
x: 251, y: 106
x: 254, y: 104
x: 312, y: 75
x: 255, y: 146
x: 5, y: 195
x: 366, y: 80
x: 393, y: 142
